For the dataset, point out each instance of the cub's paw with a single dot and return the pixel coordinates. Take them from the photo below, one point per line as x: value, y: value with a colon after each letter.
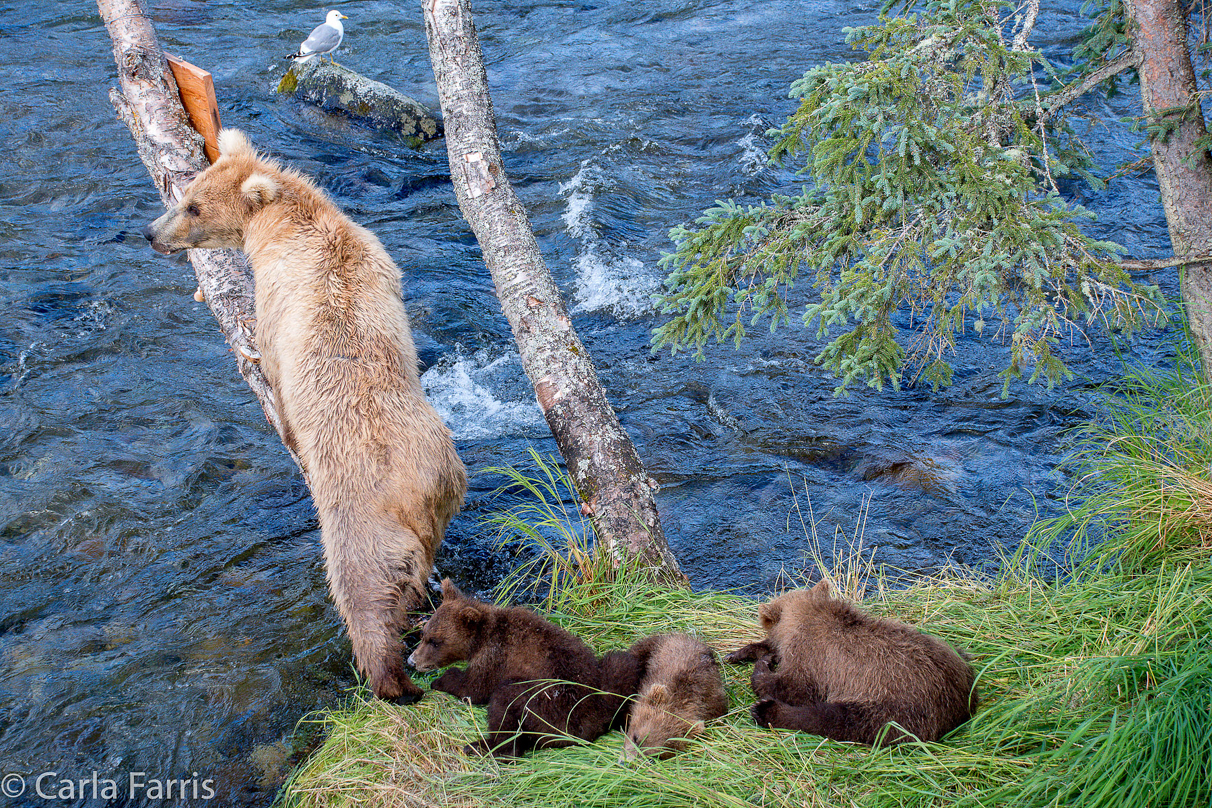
x: 765, y: 712
x: 748, y: 653
x: 450, y: 682
x: 763, y: 677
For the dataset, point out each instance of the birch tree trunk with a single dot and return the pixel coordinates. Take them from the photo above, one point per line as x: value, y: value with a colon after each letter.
x: 150, y: 106
x: 1184, y: 170
x: 616, y: 490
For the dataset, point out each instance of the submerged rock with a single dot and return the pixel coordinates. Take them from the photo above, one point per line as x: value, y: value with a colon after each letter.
x: 335, y: 88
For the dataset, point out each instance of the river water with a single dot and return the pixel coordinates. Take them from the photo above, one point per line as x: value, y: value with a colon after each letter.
x: 162, y: 599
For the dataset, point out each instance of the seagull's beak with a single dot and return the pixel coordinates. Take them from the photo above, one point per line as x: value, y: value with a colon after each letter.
x: 344, y: 17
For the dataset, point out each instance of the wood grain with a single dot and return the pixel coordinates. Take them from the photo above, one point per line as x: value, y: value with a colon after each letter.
x: 197, y: 91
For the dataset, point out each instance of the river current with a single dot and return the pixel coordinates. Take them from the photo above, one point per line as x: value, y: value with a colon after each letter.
x: 162, y: 598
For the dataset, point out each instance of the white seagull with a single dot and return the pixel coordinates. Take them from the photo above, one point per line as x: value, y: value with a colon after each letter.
x: 324, y: 39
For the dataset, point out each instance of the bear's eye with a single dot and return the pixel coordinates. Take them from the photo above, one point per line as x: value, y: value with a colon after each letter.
x: 192, y: 209
x: 433, y: 641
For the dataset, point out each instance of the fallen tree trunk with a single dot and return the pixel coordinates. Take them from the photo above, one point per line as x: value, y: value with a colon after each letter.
x: 616, y: 490
x: 150, y: 106
x: 1171, y: 101
x: 336, y: 88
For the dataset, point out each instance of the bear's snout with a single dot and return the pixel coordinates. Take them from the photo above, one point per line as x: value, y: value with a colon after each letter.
x: 149, y: 233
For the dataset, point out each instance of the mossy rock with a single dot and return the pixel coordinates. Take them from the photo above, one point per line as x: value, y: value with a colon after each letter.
x: 336, y: 88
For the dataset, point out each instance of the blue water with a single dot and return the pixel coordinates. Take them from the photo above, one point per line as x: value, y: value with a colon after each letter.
x: 162, y: 600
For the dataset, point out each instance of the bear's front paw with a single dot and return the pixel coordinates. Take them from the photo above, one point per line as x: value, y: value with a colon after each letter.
x: 393, y: 685
x: 748, y: 653
x: 408, y: 696
x: 764, y: 712
x: 451, y: 682
x: 763, y: 678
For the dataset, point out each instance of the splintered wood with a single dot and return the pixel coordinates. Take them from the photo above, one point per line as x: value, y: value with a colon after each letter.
x: 197, y: 91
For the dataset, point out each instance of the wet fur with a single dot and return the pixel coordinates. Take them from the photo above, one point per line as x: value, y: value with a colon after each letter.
x: 544, y: 687
x: 682, y: 688
x: 830, y: 669
x: 338, y: 354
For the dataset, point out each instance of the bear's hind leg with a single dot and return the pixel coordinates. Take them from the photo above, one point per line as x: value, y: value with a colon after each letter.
x: 507, y: 735
x: 372, y: 597
x: 790, y: 686
x: 840, y: 720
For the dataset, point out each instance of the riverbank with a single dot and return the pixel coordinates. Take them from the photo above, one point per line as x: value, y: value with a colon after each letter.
x: 1095, y: 667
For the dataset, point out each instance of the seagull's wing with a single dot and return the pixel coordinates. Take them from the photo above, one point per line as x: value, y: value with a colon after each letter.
x: 322, y: 40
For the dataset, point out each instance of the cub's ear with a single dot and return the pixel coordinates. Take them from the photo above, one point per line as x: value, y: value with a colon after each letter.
x: 769, y: 613
x: 822, y: 590
x: 657, y: 695
x: 259, y: 190
x: 449, y: 590
x: 471, y: 616
x: 233, y: 142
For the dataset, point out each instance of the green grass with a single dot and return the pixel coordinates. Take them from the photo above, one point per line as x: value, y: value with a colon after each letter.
x: 1144, y: 493
x: 1096, y: 684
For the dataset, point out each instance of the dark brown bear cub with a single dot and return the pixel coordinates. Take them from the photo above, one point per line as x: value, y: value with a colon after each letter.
x: 543, y: 686
x: 846, y: 675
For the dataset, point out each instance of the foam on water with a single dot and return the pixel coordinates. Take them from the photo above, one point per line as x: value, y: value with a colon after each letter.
x: 580, y: 200
x: 605, y: 281
x: 462, y: 391
x: 754, y: 147
x: 619, y: 284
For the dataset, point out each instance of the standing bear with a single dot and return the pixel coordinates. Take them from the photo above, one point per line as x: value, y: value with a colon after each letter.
x: 338, y: 354
x: 543, y: 685
x: 846, y: 675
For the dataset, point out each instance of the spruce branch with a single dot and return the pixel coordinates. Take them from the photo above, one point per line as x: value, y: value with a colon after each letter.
x: 1071, y: 92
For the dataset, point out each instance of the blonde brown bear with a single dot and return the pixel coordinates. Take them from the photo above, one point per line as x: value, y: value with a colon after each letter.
x: 337, y: 351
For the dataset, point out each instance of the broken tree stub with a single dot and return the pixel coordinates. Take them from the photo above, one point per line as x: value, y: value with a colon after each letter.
x: 335, y: 88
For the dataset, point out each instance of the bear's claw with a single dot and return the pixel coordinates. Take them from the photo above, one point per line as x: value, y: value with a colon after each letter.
x: 761, y: 712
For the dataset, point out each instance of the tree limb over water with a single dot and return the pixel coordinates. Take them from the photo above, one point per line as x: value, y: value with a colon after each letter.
x: 601, y: 458
x: 150, y: 106
x: 935, y: 199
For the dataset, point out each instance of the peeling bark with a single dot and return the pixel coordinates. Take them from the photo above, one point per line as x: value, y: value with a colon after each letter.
x: 1184, y: 170
x: 150, y: 106
x: 601, y: 458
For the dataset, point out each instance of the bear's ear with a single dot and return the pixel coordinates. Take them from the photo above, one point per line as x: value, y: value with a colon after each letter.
x: 657, y: 695
x: 471, y: 616
x: 259, y: 190
x: 233, y: 142
x: 821, y: 591
x: 769, y: 613
x: 449, y: 590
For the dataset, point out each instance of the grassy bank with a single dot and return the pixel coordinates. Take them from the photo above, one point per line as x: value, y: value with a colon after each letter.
x: 1096, y: 684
